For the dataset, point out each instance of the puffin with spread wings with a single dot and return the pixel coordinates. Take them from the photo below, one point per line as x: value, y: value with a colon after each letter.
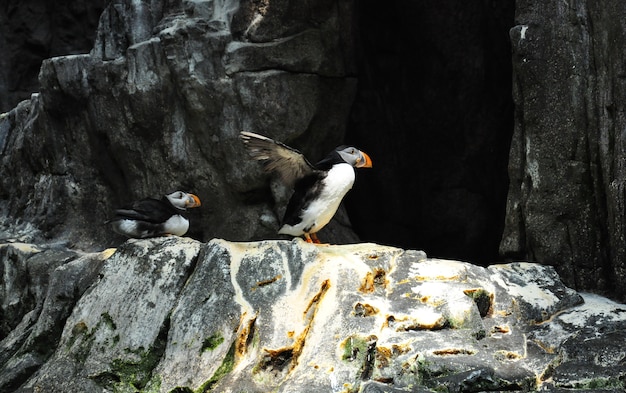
x: 317, y: 189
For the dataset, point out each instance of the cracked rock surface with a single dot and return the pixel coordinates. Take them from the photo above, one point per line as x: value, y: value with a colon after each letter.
x: 174, y: 314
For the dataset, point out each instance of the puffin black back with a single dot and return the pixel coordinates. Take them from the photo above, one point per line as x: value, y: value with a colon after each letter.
x: 150, y: 217
x: 148, y: 209
x: 327, y: 162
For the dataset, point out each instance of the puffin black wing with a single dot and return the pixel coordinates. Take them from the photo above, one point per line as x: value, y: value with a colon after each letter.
x: 290, y: 164
x: 149, y: 210
x: 306, y: 190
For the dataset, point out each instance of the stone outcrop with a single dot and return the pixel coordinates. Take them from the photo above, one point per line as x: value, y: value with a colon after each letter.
x: 566, y: 198
x: 176, y: 315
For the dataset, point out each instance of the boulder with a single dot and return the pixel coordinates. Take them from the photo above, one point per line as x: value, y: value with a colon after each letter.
x: 177, y: 315
x: 39, y: 290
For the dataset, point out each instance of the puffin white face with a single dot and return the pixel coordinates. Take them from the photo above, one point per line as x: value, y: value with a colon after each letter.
x: 183, y: 200
x: 355, y: 157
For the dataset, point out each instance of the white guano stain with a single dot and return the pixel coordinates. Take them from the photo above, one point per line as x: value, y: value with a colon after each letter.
x: 594, y: 305
x: 532, y: 166
x: 236, y: 256
x: 522, y: 33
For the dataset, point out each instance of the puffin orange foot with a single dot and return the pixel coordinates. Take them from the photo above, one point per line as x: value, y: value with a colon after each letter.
x: 315, y: 239
x: 312, y: 238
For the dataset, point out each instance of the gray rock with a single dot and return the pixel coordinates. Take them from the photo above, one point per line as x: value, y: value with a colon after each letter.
x: 566, y: 198
x: 117, y: 330
x: 172, y: 82
x: 173, y: 314
x: 188, y: 60
x: 26, y: 271
x: 157, y: 106
x: 40, y: 296
x: 158, y: 103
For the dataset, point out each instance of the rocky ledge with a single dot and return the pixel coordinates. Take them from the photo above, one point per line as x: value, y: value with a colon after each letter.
x: 177, y: 315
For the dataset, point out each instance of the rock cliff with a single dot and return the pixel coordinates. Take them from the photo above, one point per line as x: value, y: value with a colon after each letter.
x: 566, y: 197
x: 176, y: 315
x: 157, y: 106
x: 156, y: 103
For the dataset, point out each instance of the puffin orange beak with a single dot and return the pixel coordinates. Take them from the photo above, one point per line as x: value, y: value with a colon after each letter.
x: 195, y: 202
x: 366, y: 162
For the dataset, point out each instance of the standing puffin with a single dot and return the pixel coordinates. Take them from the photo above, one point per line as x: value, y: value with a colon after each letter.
x: 317, y: 189
x: 155, y: 217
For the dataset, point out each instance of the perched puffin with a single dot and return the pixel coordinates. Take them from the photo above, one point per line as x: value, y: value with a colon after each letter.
x: 317, y: 189
x: 155, y: 217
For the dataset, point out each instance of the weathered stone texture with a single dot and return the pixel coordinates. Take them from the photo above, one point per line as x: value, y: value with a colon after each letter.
x: 157, y: 106
x: 40, y: 287
x: 176, y: 315
x: 157, y: 103
x: 566, y: 198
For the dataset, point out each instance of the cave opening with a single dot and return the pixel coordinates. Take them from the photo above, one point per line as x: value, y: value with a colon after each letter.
x: 434, y: 110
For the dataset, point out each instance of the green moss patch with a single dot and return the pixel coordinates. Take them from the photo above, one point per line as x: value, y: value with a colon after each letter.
x: 353, y: 348
x: 483, y: 300
x: 600, y: 383
x: 224, y: 369
x: 82, y: 338
x: 136, y: 374
x: 211, y: 342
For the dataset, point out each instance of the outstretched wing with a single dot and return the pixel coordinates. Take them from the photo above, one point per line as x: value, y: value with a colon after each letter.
x: 290, y: 164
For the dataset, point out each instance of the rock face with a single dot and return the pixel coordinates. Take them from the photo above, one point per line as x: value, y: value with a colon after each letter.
x: 398, y: 93
x: 566, y: 198
x: 157, y: 103
x: 157, y: 106
x: 176, y: 315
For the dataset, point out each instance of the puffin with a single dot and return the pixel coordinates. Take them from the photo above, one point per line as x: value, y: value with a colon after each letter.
x: 152, y: 217
x: 317, y: 189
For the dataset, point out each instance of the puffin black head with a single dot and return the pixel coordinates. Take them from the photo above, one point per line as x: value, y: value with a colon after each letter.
x: 348, y: 154
x: 354, y: 156
x: 182, y: 200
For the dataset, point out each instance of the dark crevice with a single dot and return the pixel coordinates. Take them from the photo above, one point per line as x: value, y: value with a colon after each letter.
x: 434, y: 110
x: 369, y: 359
